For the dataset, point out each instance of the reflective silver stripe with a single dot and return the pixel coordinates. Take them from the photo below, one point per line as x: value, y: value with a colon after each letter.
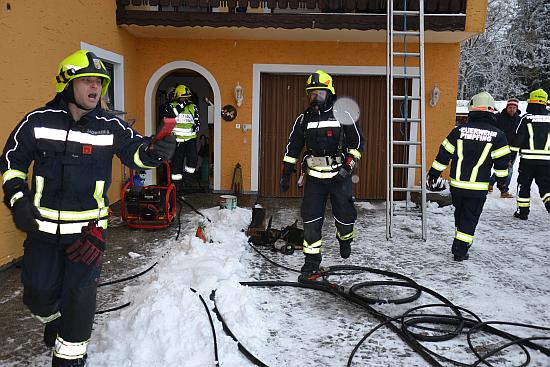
x: 464, y: 237
x: 322, y: 124
x: 539, y: 157
x: 18, y: 195
x: 531, y: 136
x: 482, y: 159
x: 66, y: 228
x: 460, y: 155
x: 438, y: 166
x: 76, y: 136
x: 68, y: 350
x: 501, y: 172
x: 13, y: 173
x: 48, y: 318
x: 321, y: 174
x: 181, y: 139
x: 535, y: 151
x: 137, y: 159
x: 313, y: 220
x: 470, y: 185
x: 39, y: 185
x: 500, y: 152
x: 183, y: 131
x: 342, y: 223
x: 448, y: 146
x: 288, y: 159
x: 177, y: 177
x: 314, y: 248
x: 73, y: 215
x: 189, y: 169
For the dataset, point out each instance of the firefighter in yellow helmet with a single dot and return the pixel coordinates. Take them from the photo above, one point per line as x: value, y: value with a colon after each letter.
x: 186, y: 112
x: 532, y: 142
x: 331, y: 151
x: 473, y: 149
x: 70, y: 142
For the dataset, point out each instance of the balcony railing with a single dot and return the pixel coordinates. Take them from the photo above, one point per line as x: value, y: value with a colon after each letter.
x: 441, y: 15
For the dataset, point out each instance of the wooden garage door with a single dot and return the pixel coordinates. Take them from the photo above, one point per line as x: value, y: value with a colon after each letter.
x: 283, y: 98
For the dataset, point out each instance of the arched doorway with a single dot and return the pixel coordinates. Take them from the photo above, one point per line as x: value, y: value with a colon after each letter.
x: 197, y: 77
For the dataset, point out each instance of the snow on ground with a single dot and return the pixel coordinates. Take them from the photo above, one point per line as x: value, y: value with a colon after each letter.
x: 506, y: 279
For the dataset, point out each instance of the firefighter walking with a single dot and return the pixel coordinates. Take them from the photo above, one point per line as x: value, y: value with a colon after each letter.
x: 473, y: 149
x: 185, y: 159
x: 331, y: 152
x: 71, y: 141
x: 532, y: 142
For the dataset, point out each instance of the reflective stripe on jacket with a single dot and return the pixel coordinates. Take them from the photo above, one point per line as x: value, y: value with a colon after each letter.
x: 532, y: 139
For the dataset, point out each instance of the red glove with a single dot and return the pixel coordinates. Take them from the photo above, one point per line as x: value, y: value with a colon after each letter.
x: 89, y: 248
x: 347, y: 167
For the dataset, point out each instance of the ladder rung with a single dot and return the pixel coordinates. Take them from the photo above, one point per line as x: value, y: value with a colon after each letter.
x: 406, y: 12
x: 408, y: 213
x: 406, y: 76
x: 406, y: 33
x: 407, y: 189
x: 407, y: 54
x: 402, y: 98
x: 406, y: 142
x: 406, y: 165
x: 402, y: 119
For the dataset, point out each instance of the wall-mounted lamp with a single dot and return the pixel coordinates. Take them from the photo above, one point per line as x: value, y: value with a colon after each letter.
x: 434, y: 96
x: 238, y: 93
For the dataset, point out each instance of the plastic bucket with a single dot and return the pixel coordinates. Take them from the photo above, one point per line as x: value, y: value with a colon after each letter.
x: 228, y: 202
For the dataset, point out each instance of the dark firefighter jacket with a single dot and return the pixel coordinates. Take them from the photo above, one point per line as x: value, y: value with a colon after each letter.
x: 187, y: 119
x: 473, y: 148
x: 323, y: 136
x: 532, y: 139
x: 72, y: 165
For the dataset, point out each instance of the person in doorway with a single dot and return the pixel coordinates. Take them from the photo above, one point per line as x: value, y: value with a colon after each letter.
x: 473, y: 149
x: 532, y: 142
x: 184, y: 162
x: 331, y: 152
x: 507, y: 121
x: 71, y: 141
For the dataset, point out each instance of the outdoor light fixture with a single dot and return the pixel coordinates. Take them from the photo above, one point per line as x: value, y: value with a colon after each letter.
x: 434, y: 96
x: 238, y: 93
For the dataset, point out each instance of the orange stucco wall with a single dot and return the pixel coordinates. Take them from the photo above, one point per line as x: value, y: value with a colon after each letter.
x: 36, y: 35
x: 476, y: 12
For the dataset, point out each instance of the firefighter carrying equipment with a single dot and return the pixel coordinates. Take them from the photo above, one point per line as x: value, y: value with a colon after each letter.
x: 82, y: 63
x: 72, y: 166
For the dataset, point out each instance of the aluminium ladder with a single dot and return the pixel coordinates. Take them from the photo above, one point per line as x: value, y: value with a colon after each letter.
x: 411, y: 121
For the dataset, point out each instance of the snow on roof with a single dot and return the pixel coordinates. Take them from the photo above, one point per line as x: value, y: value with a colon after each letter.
x: 462, y: 106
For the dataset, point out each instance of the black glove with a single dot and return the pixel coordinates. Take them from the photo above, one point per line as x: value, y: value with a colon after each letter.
x: 431, y: 182
x: 163, y: 149
x: 346, y: 169
x: 25, y: 214
x: 288, y: 169
x: 89, y: 248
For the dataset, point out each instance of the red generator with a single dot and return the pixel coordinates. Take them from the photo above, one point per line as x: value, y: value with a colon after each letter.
x: 148, y: 207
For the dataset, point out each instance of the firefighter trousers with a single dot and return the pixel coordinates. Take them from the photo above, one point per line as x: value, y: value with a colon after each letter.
x: 186, y: 152
x: 55, y: 285
x: 468, y: 209
x: 316, y: 192
x: 530, y: 170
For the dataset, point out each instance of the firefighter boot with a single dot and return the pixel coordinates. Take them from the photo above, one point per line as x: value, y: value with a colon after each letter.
x: 345, y: 247
x: 50, y: 332
x: 62, y: 362
x: 522, y: 213
x: 310, y: 268
x: 460, y: 251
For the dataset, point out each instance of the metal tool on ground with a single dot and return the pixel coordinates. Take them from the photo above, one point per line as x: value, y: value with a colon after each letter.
x: 261, y: 234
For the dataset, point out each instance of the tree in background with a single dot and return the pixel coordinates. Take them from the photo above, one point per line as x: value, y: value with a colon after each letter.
x: 512, y: 56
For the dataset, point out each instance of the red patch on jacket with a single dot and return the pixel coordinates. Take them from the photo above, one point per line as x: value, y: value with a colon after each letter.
x: 329, y: 133
x: 87, y: 149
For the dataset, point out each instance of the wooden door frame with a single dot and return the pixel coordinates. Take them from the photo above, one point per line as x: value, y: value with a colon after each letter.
x: 306, y: 69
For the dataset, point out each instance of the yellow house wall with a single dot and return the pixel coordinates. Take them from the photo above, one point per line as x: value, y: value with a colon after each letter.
x: 36, y: 35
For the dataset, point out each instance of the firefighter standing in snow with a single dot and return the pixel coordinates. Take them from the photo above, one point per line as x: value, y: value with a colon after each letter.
x: 331, y: 151
x: 187, y: 125
x: 532, y: 141
x: 71, y: 141
x: 473, y: 149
